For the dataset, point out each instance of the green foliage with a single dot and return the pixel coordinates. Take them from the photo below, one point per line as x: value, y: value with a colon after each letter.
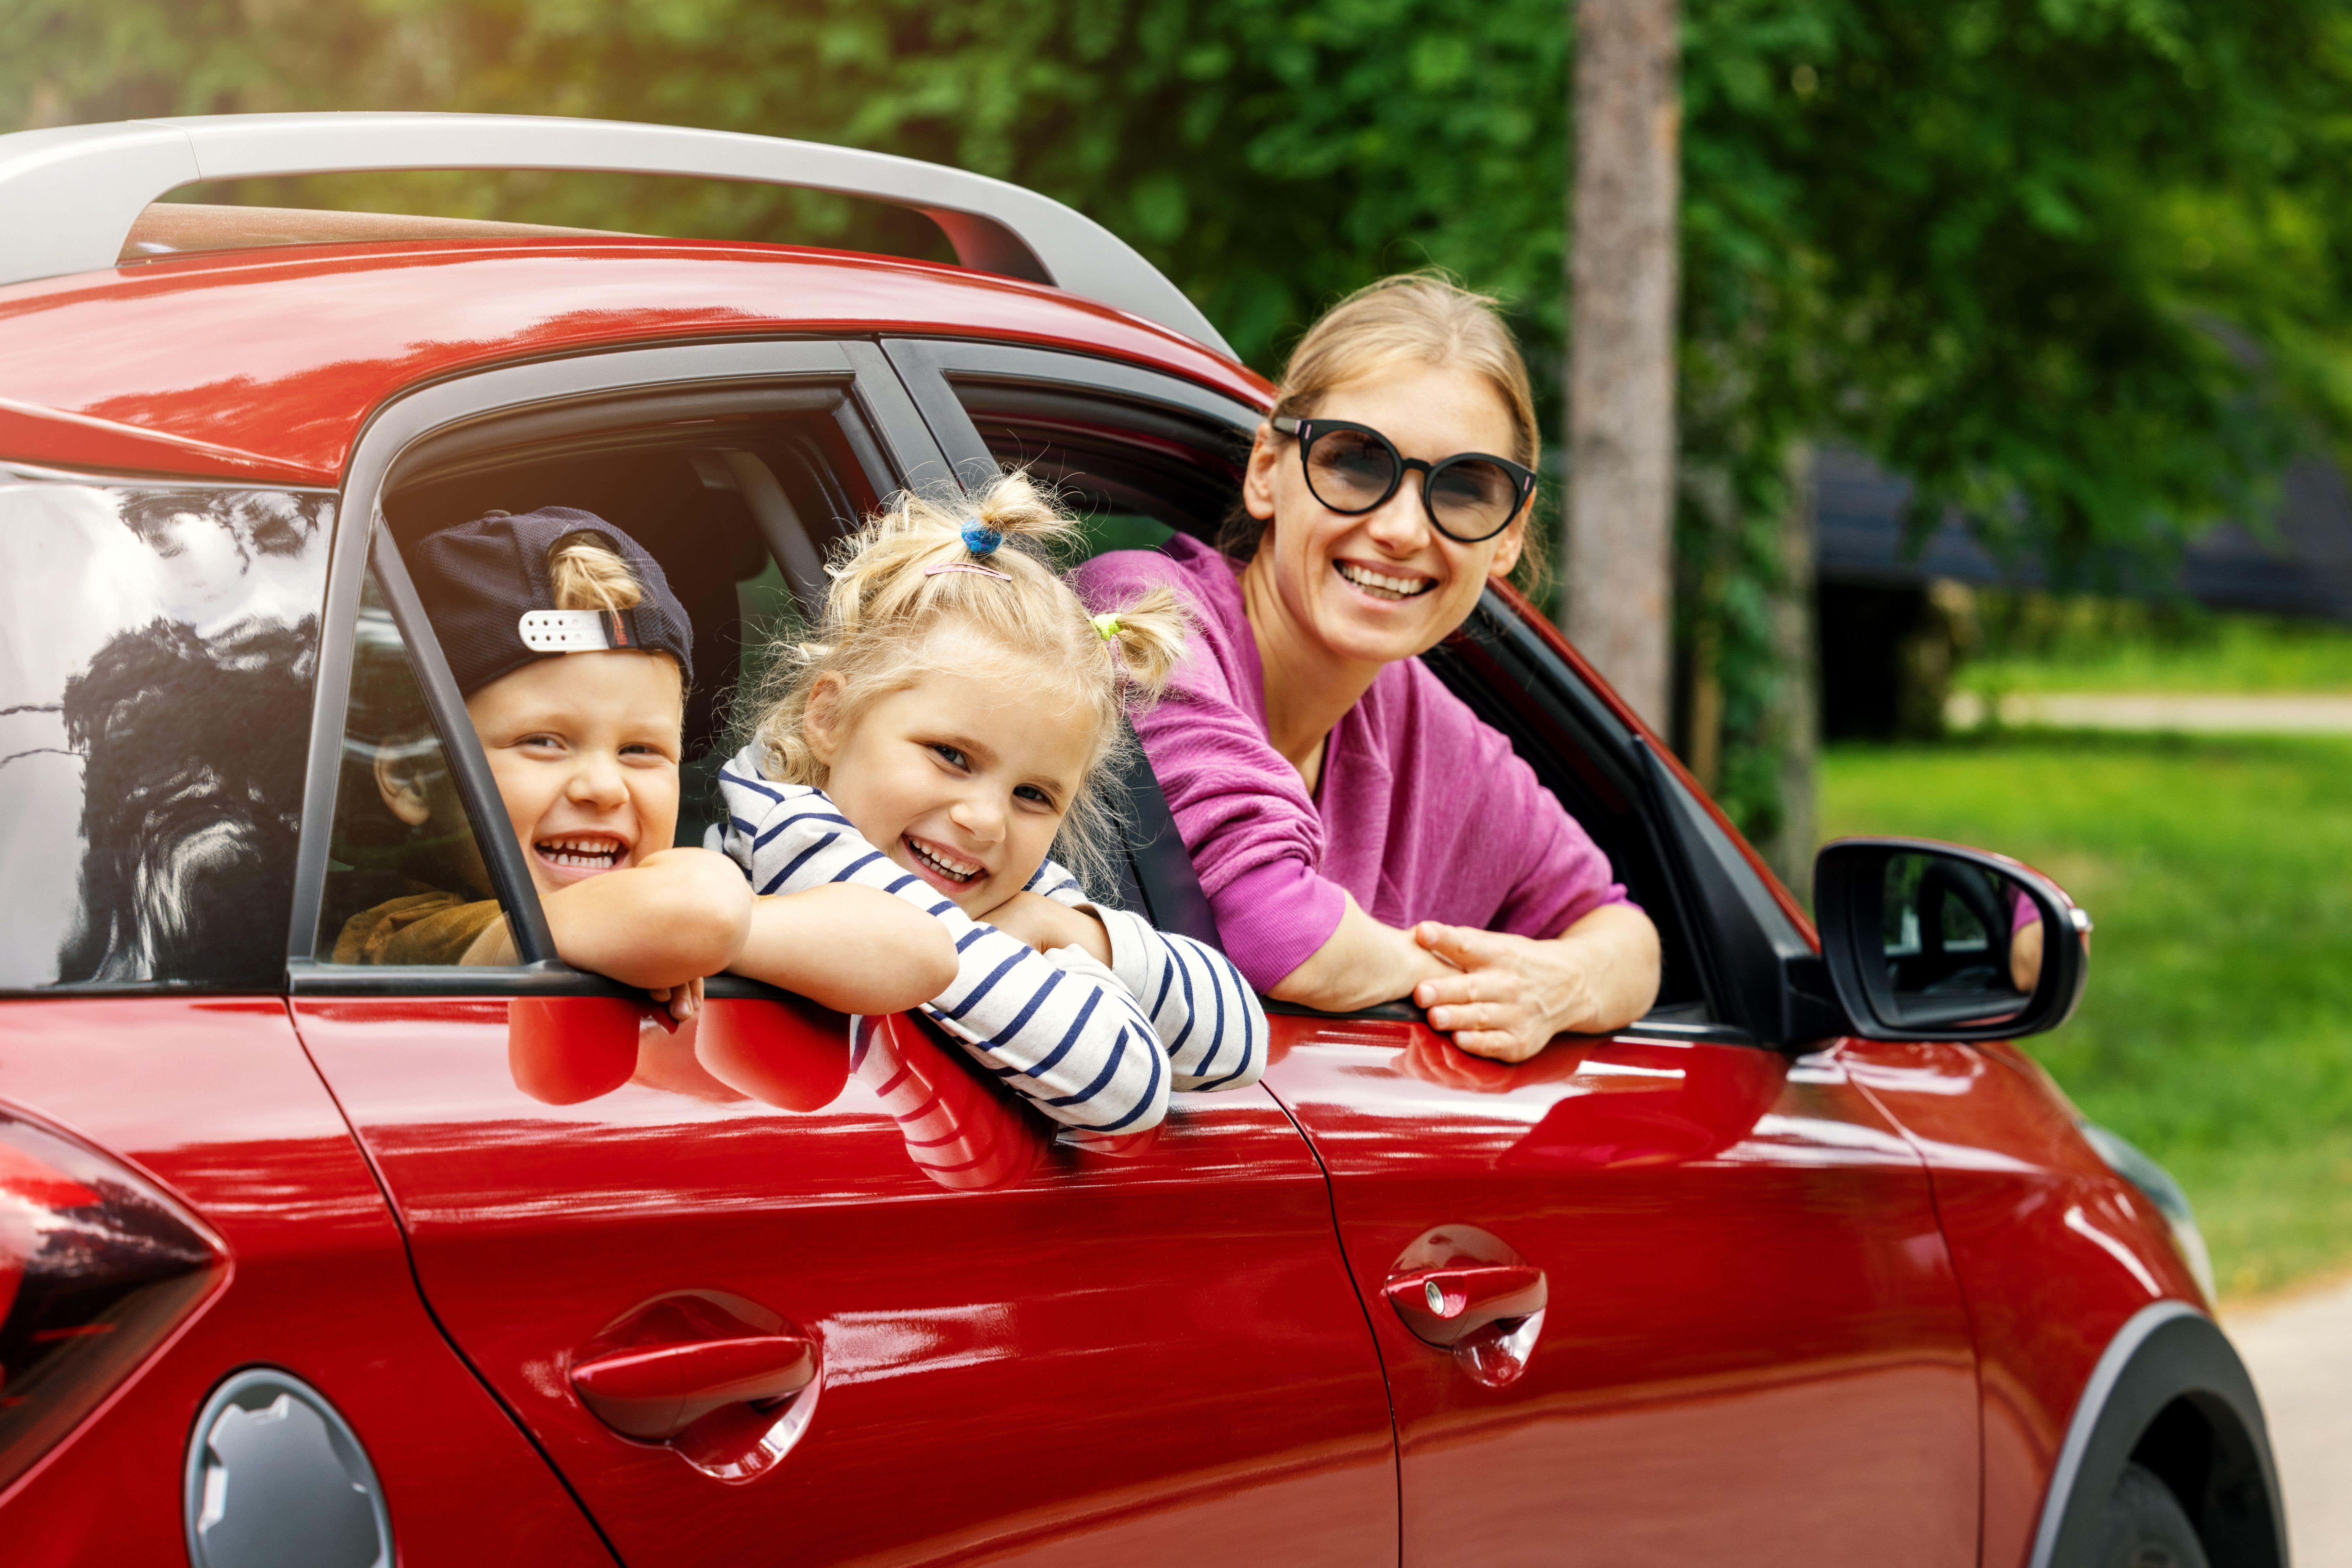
x: 2033, y: 642
x: 2217, y: 1031
x: 2070, y: 264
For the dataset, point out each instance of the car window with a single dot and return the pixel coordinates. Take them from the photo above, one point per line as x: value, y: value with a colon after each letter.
x: 738, y: 514
x: 1139, y: 474
x: 156, y: 656
x: 406, y: 880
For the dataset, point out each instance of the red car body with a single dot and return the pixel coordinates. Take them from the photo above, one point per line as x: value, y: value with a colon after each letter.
x: 1835, y: 1300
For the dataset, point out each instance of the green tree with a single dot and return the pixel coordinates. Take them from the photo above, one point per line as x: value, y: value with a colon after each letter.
x: 2072, y: 265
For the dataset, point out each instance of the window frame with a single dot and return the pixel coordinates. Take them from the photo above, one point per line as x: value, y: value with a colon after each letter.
x: 507, y: 406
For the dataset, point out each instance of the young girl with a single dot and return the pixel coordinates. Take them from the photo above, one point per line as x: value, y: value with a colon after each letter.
x: 957, y: 718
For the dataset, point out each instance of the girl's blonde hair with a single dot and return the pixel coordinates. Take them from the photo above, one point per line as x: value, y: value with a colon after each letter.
x: 1422, y: 317
x: 887, y: 599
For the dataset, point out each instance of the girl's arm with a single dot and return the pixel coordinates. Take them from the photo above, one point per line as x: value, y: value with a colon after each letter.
x: 1074, y: 1043
x: 855, y: 949
x: 1202, y: 1009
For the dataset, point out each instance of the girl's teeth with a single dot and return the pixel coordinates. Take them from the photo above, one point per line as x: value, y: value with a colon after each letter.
x: 938, y: 863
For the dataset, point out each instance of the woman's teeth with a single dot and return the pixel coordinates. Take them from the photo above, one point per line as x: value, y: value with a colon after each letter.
x: 952, y: 869
x: 580, y: 854
x: 1381, y: 586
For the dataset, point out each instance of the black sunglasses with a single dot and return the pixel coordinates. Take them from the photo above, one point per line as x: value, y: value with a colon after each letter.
x: 1353, y: 468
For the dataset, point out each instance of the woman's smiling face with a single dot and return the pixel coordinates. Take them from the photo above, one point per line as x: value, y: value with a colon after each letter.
x: 963, y: 778
x: 1384, y: 585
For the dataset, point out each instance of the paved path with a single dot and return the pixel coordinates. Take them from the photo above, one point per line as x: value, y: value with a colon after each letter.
x: 2300, y: 1352
x: 2203, y: 713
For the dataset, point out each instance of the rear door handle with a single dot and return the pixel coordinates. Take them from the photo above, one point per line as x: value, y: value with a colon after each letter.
x: 655, y: 1392
x: 1446, y: 1305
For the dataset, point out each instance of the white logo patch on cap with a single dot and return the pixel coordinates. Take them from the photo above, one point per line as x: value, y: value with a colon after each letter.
x: 565, y: 631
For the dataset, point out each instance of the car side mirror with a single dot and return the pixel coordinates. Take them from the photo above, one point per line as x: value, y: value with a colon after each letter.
x: 1936, y: 942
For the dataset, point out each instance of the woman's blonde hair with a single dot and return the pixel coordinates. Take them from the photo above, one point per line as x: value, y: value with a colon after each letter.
x: 888, y: 598
x: 1422, y: 317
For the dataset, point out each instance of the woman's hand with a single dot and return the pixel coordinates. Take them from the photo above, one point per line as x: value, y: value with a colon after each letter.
x: 1046, y: 925
x: 1513, y: 993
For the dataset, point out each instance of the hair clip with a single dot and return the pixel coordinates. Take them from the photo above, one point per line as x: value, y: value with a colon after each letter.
x: 1106, y: 627
x: 968, y: 566
x: 981, y: 540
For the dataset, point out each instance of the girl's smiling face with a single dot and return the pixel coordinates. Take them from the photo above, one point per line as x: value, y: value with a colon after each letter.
x: 1384, y: 585
x: 585, y: 748
x: 963, y: 778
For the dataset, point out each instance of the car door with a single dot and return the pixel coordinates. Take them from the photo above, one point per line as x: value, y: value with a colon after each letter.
x: 1674, y: 1296
x: 756, y: 1288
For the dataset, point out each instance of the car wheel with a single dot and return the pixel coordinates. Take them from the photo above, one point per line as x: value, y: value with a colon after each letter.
x: 2144, y: 1526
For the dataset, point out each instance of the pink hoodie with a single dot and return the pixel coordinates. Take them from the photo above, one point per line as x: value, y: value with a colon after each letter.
x: 1421, y: 813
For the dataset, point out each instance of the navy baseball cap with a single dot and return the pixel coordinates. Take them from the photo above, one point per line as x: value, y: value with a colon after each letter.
x: 486, y: 589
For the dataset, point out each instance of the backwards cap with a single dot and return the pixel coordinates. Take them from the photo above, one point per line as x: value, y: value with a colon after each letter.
x: 486, y: 589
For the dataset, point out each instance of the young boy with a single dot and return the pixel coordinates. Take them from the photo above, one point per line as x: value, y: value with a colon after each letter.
x: 574, y: 659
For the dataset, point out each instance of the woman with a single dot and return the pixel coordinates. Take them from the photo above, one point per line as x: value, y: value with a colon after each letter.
x: 1361, y: 835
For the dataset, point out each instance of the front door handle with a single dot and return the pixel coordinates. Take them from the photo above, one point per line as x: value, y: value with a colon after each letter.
x: 1444, y: 1305
x: 655, y: 1392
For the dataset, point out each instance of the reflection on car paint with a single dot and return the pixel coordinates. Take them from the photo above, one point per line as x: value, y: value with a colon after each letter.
x: 962, y: 1131
x: 158, y: 648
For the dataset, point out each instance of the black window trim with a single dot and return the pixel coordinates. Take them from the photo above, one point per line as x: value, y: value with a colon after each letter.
x: 885, y: 433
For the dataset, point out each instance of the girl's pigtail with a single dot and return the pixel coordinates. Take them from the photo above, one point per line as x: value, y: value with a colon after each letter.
x: 1149, y: 636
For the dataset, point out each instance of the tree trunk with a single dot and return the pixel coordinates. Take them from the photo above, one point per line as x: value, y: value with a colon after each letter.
x: 1617, y: 575
x: 1794, y: 724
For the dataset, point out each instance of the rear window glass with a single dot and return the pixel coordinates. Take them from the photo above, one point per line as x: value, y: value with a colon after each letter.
x: 156, y: 651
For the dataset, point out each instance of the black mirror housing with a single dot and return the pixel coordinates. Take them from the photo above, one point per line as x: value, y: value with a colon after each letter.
x: 1927, y: 940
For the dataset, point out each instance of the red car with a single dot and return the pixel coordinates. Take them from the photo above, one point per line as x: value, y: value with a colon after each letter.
x: 308, y: 1259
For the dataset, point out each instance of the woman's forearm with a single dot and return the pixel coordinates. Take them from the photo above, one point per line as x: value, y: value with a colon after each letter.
x: 1617, y: 950
x: 1364, y: 964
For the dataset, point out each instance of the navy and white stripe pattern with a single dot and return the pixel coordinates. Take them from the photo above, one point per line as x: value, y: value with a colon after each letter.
x: 1200, y: 1008
x: 1076, y: 1038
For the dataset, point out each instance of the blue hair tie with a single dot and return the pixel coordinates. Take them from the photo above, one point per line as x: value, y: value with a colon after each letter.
x: 981, y: 540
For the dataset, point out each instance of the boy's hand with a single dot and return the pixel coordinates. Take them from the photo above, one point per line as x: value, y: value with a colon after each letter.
x: 685, y: 1001
x: 1046, y: 925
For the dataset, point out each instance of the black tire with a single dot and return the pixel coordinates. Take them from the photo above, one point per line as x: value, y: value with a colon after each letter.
x: 2144, y: 1526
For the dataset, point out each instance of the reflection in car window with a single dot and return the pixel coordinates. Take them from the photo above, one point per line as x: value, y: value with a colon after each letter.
x: 406, y: 883
x: 156, y: 654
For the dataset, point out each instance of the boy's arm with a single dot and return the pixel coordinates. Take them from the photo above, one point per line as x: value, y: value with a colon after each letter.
x: 670, y: 919
x: 855, y: 949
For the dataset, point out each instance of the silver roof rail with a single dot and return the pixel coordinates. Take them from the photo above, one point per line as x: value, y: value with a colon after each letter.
x: 70, y: 194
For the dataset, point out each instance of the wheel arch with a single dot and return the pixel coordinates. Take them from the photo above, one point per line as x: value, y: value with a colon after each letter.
x: 2169, y: 1393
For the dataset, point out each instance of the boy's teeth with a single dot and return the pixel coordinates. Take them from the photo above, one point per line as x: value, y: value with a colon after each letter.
x: 1403, y: 587
x: 587, y: 854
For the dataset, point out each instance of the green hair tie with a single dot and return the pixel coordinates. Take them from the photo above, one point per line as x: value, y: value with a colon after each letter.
x: 1106, y: 626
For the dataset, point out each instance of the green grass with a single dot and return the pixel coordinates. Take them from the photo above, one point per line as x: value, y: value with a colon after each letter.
x: 2040, y: 645
x: 2217, y: 1032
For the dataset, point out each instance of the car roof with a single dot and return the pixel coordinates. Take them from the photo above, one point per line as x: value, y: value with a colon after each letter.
x: 264, y: 364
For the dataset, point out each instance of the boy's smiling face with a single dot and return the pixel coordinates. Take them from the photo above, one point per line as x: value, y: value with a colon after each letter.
x: 585, y: 749
x: 963, y: 778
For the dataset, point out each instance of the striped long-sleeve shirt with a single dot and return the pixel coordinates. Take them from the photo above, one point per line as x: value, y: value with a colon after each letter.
x: 1098, y: 1050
